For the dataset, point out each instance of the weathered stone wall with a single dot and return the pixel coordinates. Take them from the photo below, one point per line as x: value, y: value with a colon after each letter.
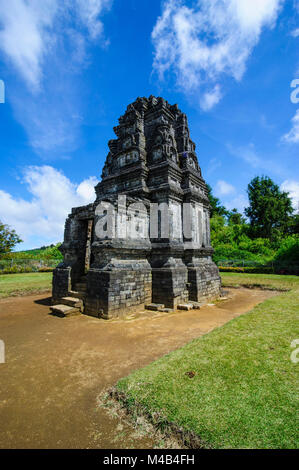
x: 170, y: 286
x: 61, y: 283
x: 204, y: 282
x: 115, y: 293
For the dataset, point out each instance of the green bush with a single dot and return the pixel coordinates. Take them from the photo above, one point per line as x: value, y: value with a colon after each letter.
x: 233, y: 252
x: 288, y: 253
x: 232, y: 242
x: 17, y: 270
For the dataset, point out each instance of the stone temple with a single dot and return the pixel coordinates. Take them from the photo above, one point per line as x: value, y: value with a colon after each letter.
x: 108, y: 271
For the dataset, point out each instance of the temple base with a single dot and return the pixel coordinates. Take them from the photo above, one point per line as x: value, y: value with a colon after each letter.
x: 204, y: 281
x: 112, y: 294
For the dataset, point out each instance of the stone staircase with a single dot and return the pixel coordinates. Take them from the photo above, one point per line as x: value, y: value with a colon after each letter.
x: 80, y: 288
x: 73, y: 304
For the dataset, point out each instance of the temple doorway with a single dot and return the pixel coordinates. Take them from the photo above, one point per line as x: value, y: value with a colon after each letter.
x: 89, y: 240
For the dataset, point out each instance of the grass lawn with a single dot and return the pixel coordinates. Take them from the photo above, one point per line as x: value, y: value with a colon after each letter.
x: 268, y: 281
x: 20, y: 284
x: 245, y: 390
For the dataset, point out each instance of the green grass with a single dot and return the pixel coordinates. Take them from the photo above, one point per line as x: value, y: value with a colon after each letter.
x: 272, y: 281
x: 245, y: 390
x: 21, y: 284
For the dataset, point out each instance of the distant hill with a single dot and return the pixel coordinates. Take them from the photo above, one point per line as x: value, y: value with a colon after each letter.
x: 37, y: 251
x: 44, y: 252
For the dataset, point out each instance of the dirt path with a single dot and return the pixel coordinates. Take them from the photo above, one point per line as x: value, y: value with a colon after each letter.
x: 55, y: 368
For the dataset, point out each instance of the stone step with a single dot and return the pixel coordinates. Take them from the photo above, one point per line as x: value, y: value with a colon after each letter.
x: 72, y: 302
x: 64, y: 310
x: 196, y: 305
x: 185, y: 307
x: 80, y: 291
x: 80, y: 286
x: 154, y: 307
x: 77, y: 294
x: 82, y: 294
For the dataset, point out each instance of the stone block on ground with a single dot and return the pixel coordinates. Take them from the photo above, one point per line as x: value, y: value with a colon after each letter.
x: 64, y: 310
x: 154, y: 307
x: 185, y: 307
x: 196, y: 305
x: 72, y: 302
x: 79, y: 295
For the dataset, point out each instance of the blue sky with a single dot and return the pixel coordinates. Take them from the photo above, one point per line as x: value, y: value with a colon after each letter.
x: 71, y: 67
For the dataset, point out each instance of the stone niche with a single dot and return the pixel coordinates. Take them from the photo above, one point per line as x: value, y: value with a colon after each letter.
x: 150, y: 181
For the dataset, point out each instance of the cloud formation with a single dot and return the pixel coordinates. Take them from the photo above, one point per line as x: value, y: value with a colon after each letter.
x: 250, y: 156
x: 211, y: 98
x: 47, y: 43
x: 292, y: 187
x: 30, y: 29
x: 25, y: 34
x: 210, y: 40
x: 239, y: 202
x: 89, y: 12
x: 52, y: 196
x: 295, y: 33
x: 223, y: 188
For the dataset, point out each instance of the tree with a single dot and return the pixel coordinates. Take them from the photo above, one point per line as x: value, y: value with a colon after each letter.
x: 293, y: 227
x: 270, y: 208
x: 52, y: 252
x: 8, y: 238
x: 216, y: 207
x: 235, y: 218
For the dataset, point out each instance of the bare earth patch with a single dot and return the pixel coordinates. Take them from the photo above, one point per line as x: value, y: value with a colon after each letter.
x: 56, y: 368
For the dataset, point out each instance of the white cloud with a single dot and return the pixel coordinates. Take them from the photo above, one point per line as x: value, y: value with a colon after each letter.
x: 52, y: 197
x: 223, y: 188
x: 214, y: 164
x: 293, y: 136
x: 295, y: 33
x: 52, y: 122
x: 85, y: 190
x: 211, y: 98
x: 239, y: 202
x: 30, y: 29
x: 89, y: 12
x: 251, y: 156
x: 24, y: 34
x: 248, y: 154
x: 47, y: 43
x: 292, y: 187
x: 215, y: 37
